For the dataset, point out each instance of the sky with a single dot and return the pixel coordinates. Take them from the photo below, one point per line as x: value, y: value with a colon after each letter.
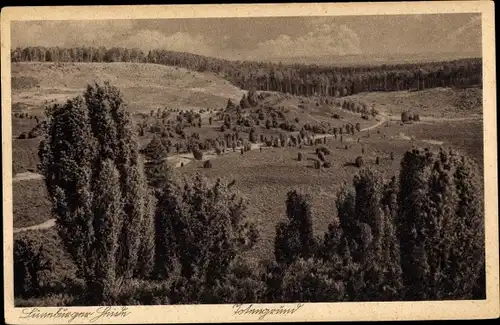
x: 266, y: 38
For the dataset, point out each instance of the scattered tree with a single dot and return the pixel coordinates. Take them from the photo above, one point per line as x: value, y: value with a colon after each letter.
x: 359, y: 162
x: 294, y: 236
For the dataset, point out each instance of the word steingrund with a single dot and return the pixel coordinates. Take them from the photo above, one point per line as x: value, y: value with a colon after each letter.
x: 263, y: 312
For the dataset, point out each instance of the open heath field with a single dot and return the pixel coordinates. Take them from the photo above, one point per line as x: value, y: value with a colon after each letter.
x: 144, y: 86
x: 31, y: 203
x: 264, y: 178
x: 434, y: 102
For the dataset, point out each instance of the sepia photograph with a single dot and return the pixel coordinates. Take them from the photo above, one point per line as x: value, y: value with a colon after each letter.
x: 260, y: 159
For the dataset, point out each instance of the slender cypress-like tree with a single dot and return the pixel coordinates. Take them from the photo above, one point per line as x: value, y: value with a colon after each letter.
x: 363, y: 239
x: 440, y: 226
x: 294, y: 236
x: 107, y: 210
x: 67, y: 155
x: 467, y: 259
x: 85, y: 137
x: 412, y: 202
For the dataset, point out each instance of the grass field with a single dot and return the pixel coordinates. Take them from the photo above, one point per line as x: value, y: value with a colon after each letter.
x: 144, y: 86
x: 31, y: 203
x: 265, y: 177
x: 435, y: 102
x: 24, y: 155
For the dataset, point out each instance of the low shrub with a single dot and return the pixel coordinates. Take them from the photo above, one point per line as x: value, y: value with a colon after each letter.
x: 324, y: 150
x: 198, y: 154
x: 317, y: 164
x: 359, y: 162
x: 29, y: 262
x: 207, y: 164
x: 141, y: 292
x: 327, y: 164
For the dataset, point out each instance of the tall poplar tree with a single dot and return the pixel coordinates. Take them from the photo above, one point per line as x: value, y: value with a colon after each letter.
x: 86, y: 136
x: 440, y: 225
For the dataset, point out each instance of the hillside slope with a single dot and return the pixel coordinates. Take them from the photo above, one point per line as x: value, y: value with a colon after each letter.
x: 436, y: 102
x: 145, y: 86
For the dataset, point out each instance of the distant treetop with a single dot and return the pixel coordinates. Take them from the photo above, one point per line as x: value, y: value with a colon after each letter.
x: 297, y: 79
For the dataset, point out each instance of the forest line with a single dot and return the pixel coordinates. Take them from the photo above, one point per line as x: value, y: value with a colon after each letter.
x: 296, y: 79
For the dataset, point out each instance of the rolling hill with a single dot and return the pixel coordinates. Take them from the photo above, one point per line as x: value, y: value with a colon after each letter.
x: 144, y: 86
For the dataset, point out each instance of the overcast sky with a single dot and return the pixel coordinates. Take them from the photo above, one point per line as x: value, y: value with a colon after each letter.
x: 266, y: 38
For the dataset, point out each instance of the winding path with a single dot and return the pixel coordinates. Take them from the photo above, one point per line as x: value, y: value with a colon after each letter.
x: 45, y: 225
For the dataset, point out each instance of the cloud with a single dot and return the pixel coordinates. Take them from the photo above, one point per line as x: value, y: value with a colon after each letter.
x: 466, y: 37
x: 68, y: 33
x: 109, y: 33
x: 325, y: 39
x: 180, y: 41
x: 322, y: 39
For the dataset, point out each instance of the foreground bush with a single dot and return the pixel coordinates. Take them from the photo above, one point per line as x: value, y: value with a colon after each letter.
x: 140, y: 292
x: 294, y: 237
x: 211, y: 230
x: 440, y: 205
x: 311, y: 280
x: 364, y: 239
x: 242, y: 284
x: 29, y: 262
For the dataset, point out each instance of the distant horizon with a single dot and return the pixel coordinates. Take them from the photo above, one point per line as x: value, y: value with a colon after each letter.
x: 267, y: 38
x: 327, y: 60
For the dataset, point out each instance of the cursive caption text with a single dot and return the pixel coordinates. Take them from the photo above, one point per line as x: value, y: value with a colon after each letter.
x: 63, y: 313
x: 263, y: 312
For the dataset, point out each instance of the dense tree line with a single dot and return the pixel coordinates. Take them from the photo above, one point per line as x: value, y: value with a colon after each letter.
x: 297, y: 79
x: 419, y: 236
